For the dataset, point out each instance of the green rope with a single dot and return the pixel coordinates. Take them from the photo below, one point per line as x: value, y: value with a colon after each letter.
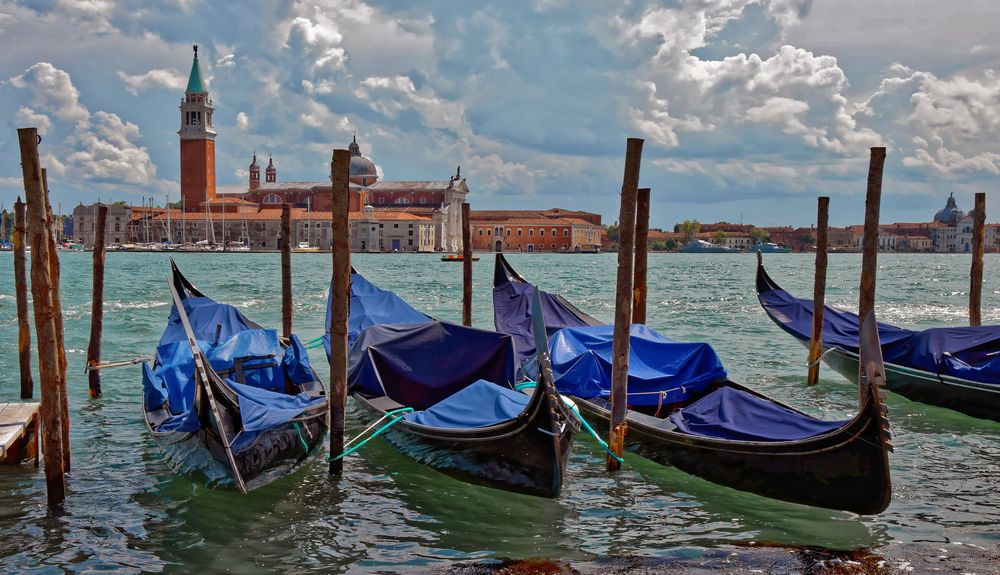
x: 314, y: 340
x: 305, y: 445
x: 314, y: 344
x: 576, y: 412
x: 378, y: 432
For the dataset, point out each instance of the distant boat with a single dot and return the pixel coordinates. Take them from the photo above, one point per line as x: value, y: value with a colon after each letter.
x: 457, y: 258
x: 769, y: 248
x: 305, y: 247
x: 703, y: 247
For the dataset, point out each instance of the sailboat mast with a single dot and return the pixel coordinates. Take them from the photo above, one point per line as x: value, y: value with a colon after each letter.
x: 169, y: 239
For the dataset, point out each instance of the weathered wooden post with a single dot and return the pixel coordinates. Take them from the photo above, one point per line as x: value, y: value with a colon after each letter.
x: 97, y: 302
x: 57, y: 316
x: 641, y: 256
x: 466, y: 266
x: 819, y: 289
x: 978, y: 246
x: 869, y: 251
x: 45, y: 330
x: 21, y: 294
x: 340, y: 302
x: 623, y: 301
x: 869, y: 256
x: 286, y: 270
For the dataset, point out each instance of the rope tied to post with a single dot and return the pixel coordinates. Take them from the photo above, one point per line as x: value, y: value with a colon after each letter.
x: 389, y: 414
x: 813, y: 364
x: 576, y: 412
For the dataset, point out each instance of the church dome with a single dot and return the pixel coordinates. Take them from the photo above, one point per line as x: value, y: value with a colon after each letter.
x: 360, y: 165
x: 950, y: 213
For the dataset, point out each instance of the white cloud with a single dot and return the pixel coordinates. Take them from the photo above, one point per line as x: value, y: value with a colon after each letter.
x: 952, y: 123
x: 53, y: 91
x: 242, y: 121
x: 390, y: 96
x: 28, y: 118
x: 101, y: 147
x: 169, y: 79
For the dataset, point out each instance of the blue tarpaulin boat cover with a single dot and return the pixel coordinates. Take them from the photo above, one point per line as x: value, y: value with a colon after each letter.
x: 266, y: 365
x: 660, y: 370
x: 418, y: 365
x: 206, y: 317
x: 481, y: 404
x: 732, y: 414
x: 512, y: 314
x: 372, y: 305
x: 970, y: 353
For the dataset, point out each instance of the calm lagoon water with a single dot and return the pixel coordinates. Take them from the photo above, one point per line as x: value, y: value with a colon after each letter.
x: 127, y: 512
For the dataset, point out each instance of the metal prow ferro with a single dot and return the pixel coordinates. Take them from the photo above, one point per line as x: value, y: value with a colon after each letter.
x: 871, y: 376
x: 202, y: 378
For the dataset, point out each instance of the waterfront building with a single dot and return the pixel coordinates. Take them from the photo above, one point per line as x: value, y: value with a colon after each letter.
x: 117, y: 226
x: 553, y: 230
x: 428, y: 205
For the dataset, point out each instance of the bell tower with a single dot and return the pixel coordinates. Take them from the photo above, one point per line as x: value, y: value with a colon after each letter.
x: 197, y: 142
x: 254, y: 173
x: 271, y: 173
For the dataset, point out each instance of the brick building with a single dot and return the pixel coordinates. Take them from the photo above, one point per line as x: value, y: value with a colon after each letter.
x: 553, y: 230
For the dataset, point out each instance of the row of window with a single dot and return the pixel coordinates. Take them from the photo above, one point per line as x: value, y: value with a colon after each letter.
x: 531, y: 232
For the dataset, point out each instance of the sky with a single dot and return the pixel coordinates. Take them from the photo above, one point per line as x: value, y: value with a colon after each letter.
x: 749, y: 109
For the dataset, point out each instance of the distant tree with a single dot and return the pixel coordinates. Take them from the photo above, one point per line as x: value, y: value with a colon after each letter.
x: 119, y: 203
x: 671, y: 244
x: 758, y: 235
x: 804, y: 240
x: 174, y: 205
x: 690, y: 229
x: 719, y: 237
x: 612, y: 230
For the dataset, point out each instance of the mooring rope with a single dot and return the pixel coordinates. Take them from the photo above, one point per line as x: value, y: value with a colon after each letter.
x: 579, y: 416
x: 305, y: 445
x: 813, y: 364
x: 374, y: 435
x: 96, y: 366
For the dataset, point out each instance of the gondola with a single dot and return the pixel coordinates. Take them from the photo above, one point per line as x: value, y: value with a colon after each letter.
x: 685, y: 412
x: 448, y: 393
x: 953, y: 367
x: 228, y: 400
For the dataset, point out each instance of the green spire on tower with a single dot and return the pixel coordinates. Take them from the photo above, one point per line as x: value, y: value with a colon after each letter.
x: 195, y: 84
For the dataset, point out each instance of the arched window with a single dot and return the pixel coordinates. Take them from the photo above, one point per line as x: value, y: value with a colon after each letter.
x: 272, y: 199
x: 401, y: 200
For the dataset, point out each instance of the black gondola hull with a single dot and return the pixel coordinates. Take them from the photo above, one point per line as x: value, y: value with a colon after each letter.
x: 271, y: 455
x: 525, y: 455
x: 846, y: 469
x: 980, y: 400
x: 969, y: 397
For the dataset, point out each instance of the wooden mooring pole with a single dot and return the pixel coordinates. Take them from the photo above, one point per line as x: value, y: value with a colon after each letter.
x: 57, y: 316
x: 97, y: 302
x: 641, y: 256
x: 869, y: 251
x: 21, y: 294
x: 340, y: 301
x: 978, y: 246
x: 623, y: 301
x: 45, y: 329
x: 819, y: 289
x: 286, y: 270
x: 466, y: 266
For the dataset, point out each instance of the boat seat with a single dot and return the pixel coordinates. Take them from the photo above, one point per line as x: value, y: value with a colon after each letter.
x: 385, y: 403
x: 648, y: 420
x: 641, y: 418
